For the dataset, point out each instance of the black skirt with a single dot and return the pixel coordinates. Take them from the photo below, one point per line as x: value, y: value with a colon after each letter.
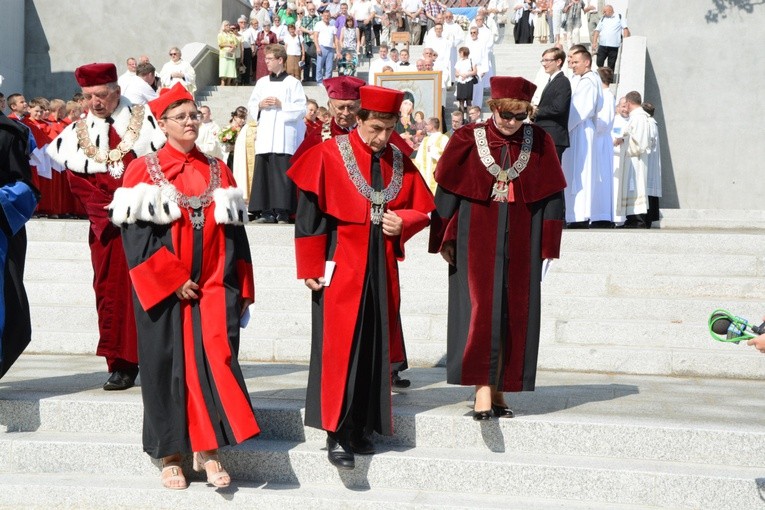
x: 465, y: 91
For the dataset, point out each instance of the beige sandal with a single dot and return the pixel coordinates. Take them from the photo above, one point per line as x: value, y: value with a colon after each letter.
x: 172, y: 474
x: 216, y: 475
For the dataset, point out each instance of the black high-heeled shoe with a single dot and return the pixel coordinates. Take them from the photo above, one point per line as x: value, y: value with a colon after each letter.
x: 482, y: 415
x: 502, y: 411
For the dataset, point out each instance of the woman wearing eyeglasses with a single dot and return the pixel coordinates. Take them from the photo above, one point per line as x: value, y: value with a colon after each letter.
x: 177, y: 70
x: 499, y: 216
x: 182, y: 228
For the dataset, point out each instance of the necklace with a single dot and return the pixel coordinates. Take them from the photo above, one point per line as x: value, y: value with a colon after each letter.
x: 499, y: 191
x: 377, y: 198
x: 326, y: 131
x: 195, y: 203
x: 112, y: 158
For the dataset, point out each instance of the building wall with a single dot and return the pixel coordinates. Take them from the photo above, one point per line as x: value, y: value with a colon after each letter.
x: 704, y: 74
x: 12, y: 44
x: 59, y: 39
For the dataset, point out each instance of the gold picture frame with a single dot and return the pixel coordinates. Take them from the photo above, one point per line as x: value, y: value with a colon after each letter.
x: 422, y: 87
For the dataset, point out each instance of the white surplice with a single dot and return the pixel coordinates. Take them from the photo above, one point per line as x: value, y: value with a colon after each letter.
x: 633, y: 197
x: 578, y: 161
x: 280, y: 130
x: 653, y: 189
x: 603, y: 169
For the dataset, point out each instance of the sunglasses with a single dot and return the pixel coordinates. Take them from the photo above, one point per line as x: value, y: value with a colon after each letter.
x: 510, y: 115
x: 173, y: 54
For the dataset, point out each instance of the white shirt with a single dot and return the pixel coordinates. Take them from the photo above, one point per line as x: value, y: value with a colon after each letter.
x: 325, y: 34
x: 361, y: 10
x: 377, y: 65
x: 124, y: 78
x: 138, y: 91
x: 293, y: 45
x: 280, y: 130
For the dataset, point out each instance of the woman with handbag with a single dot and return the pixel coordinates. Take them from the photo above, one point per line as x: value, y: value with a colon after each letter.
x: 227, y: 46
x: 466, y: 76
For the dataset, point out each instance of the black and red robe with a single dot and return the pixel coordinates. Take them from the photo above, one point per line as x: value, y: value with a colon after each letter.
x: 356, y: 320
x: 193, y: 391
x: 494, y: 286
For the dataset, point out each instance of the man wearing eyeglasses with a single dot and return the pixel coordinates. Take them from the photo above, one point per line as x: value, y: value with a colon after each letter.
x: 95, y: 151
x: 555, y: 103
x: 499, y: 216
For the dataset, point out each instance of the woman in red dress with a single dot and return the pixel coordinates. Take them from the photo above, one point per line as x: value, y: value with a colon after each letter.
x: 264, y: 38
x: 182, y: 226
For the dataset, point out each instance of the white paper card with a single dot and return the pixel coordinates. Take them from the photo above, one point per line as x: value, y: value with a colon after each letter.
x: 329, y: 270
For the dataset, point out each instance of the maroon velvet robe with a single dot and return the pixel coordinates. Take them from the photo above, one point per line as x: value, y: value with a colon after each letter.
x: 494, y: 286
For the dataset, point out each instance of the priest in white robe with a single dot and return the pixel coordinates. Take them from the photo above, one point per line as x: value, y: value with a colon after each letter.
x: 178, y: 70
x: 278, y: 104
x: 430, y: 150
x: 601, y: 214
x: 578, y: 160
x: 633, y: 195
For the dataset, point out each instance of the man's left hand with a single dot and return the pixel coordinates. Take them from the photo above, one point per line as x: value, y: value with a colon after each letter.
x: 392, y: 224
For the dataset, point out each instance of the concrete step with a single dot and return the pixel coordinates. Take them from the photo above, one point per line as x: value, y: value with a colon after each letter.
x: 82, y: 491
x: 647, y: 418
x: 578, y: 441
x: 420, y: 469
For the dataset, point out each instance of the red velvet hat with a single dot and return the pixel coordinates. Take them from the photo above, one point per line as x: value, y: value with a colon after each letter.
x: 94, y: 74
x: 167, y: 97
x: 511, y: 87
x: 343, y: 87
x: 380, y: 99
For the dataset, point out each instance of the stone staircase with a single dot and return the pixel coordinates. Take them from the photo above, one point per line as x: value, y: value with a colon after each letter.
x: 579, y: 441
x: 618, y: 301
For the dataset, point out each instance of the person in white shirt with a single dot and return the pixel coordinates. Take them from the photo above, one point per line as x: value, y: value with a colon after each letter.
x: 413, y: 9
x: 479, y: 54
x: 138, y: 89
x: 178, y: 70
x: 207, y: 140
x: 248, y: 41
x: 443, y: 50
x: 325, y: 40
x: 279, y: 29
x: 377, y: 65
x: 122, y: 81
x: 364, y: 13
x: 430, y: 150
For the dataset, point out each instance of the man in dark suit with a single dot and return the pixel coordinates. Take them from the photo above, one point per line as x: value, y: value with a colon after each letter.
x: 555, y: 102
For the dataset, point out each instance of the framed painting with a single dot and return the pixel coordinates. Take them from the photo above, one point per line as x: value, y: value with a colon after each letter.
x: 422, y: 88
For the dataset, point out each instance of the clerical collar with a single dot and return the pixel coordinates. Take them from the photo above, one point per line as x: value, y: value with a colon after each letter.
x: 277, y: 77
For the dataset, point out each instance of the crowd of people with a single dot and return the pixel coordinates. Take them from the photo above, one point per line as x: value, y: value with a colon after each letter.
x: 167, y: 191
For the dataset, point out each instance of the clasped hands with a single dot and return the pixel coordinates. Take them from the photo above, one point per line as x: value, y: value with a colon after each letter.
x: 188, y: 291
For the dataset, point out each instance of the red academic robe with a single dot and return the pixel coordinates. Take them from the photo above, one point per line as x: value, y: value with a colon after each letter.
x: 49, y: 194
x: 64, y: 201
x: 333, y: 223
x: 494, y: 288
x: 111, y: 283
x: 195, y: 342
x: 314, y: 136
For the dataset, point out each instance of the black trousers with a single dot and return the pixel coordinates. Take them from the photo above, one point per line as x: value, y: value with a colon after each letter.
x: 607, y: 52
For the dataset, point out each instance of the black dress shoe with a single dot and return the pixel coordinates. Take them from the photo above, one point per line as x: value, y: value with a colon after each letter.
x: 398, y: 382
x: 120, y: 380
x: 502, y: 411
x: 362, y: 445
x: 482, y: 415
x: 340, y: 456
x: 266, y: 219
